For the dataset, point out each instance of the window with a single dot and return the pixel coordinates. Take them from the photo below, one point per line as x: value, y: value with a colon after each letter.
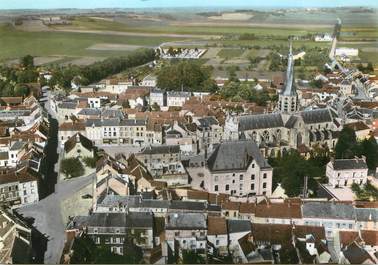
x: 216, y: 187
x: 252, y: 186
x: 253, y: 177
x: 241, y: 177
x: 227, y: 187
x: 241, y: 186
x: 264, y: 185
x: 253, y: 165
x: 217, y: 242
x: 265, y: 175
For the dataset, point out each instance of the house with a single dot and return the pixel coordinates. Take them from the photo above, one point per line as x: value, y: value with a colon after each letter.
x: 326, y: 37
x: 237, y: 229
x: 163, y: 159
x: 18, y: 187
x: 69, y: 129
x: 187, y: 230
x: 238, y: 168
x: 361, y: 129
x: 355, y: 254
x: 345, y: 172
x: 217, y: 234
x: 346, y: 87
x: 278, y: 212
x: 177, y: 98
x: 117, y: 229
x: 158, y: 97
x: 78, y: 146
x: 149, y: 80
x: 15, y: 239
x: 133, y: 131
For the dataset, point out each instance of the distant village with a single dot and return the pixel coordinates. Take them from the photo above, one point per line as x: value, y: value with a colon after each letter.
x: 150, y: 175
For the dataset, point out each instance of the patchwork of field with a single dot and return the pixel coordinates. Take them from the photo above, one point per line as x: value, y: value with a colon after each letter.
x: 114, y: 47
x: 95, y: 37
x: 17, y: 43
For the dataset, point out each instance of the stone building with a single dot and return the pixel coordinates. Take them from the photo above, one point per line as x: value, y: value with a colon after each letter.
x: 238, y: 168
x: 345, y: 172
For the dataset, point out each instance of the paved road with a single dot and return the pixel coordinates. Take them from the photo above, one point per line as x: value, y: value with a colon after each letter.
x: 47, y: 215
x: 47, y: 212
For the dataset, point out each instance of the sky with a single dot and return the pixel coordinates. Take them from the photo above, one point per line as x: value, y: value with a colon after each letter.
x: 51, y: 4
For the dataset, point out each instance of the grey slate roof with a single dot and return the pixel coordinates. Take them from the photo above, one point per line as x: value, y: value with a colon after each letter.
x: 4, y: 155
x: 328, y: 210
x: 118, y: 200
x: 260, y: 121
x: 344, y: 164
x: 367, y: 214
x: 236, y: 226
x: 89, y: 112
x: 67, y: 105
x: 131, y: 122
x: 207, y: 121
x: 291, y: 122
x: 107, y: 220
x: 17, y: 145
x: 155, y: 204
x: 236, y: 155
x: 112, y: 113
x: 289, y: 88
x: 139, y: 220
x: 93, y: 122
x: 161, y: 149
x: 110, y: 122
x: 178, y: 94
x: 188, y: 205
x: 185, y: 221
x: 316, y: 116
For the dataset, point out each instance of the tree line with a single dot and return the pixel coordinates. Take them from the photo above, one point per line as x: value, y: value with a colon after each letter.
x: 85, y: 75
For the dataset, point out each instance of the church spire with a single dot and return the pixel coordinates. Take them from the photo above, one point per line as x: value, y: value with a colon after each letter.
x: 288, y: 99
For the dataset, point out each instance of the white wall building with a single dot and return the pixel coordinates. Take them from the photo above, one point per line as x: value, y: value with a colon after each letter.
x: 345, y: 172
x: 238, y: 168
x: 177, y: 99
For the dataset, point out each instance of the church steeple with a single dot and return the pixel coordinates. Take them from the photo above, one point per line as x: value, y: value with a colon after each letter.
x: 288, y: 99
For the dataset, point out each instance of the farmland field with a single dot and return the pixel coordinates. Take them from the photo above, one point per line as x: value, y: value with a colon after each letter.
x: 230, y: 53
x: 15, y: 44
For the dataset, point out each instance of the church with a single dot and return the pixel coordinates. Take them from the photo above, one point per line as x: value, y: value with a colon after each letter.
x: 288, y: 127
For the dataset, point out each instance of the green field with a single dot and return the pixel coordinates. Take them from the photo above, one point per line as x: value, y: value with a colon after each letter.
x: 97, y: 24
x: 15, y: 44
x: 230, y: 53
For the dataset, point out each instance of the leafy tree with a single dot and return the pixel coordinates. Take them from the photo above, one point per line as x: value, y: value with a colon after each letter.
x: 191, y: 257
x: 155, y: 107
x: 346, y: 144
x: 369, y: 148
x: 90, y: 161
x: 184, y: 74
x: 21, y: 90
x: 27, y: 61
x: 290, y: 171
x: 71, y: 167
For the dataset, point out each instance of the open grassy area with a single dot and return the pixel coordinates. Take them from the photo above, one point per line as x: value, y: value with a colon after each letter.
x: 230, y: 53
x: 98, y: 24
x: 15, y: 44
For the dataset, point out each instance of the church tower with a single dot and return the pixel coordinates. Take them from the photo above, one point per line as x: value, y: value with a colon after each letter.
x: 288, y: 99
